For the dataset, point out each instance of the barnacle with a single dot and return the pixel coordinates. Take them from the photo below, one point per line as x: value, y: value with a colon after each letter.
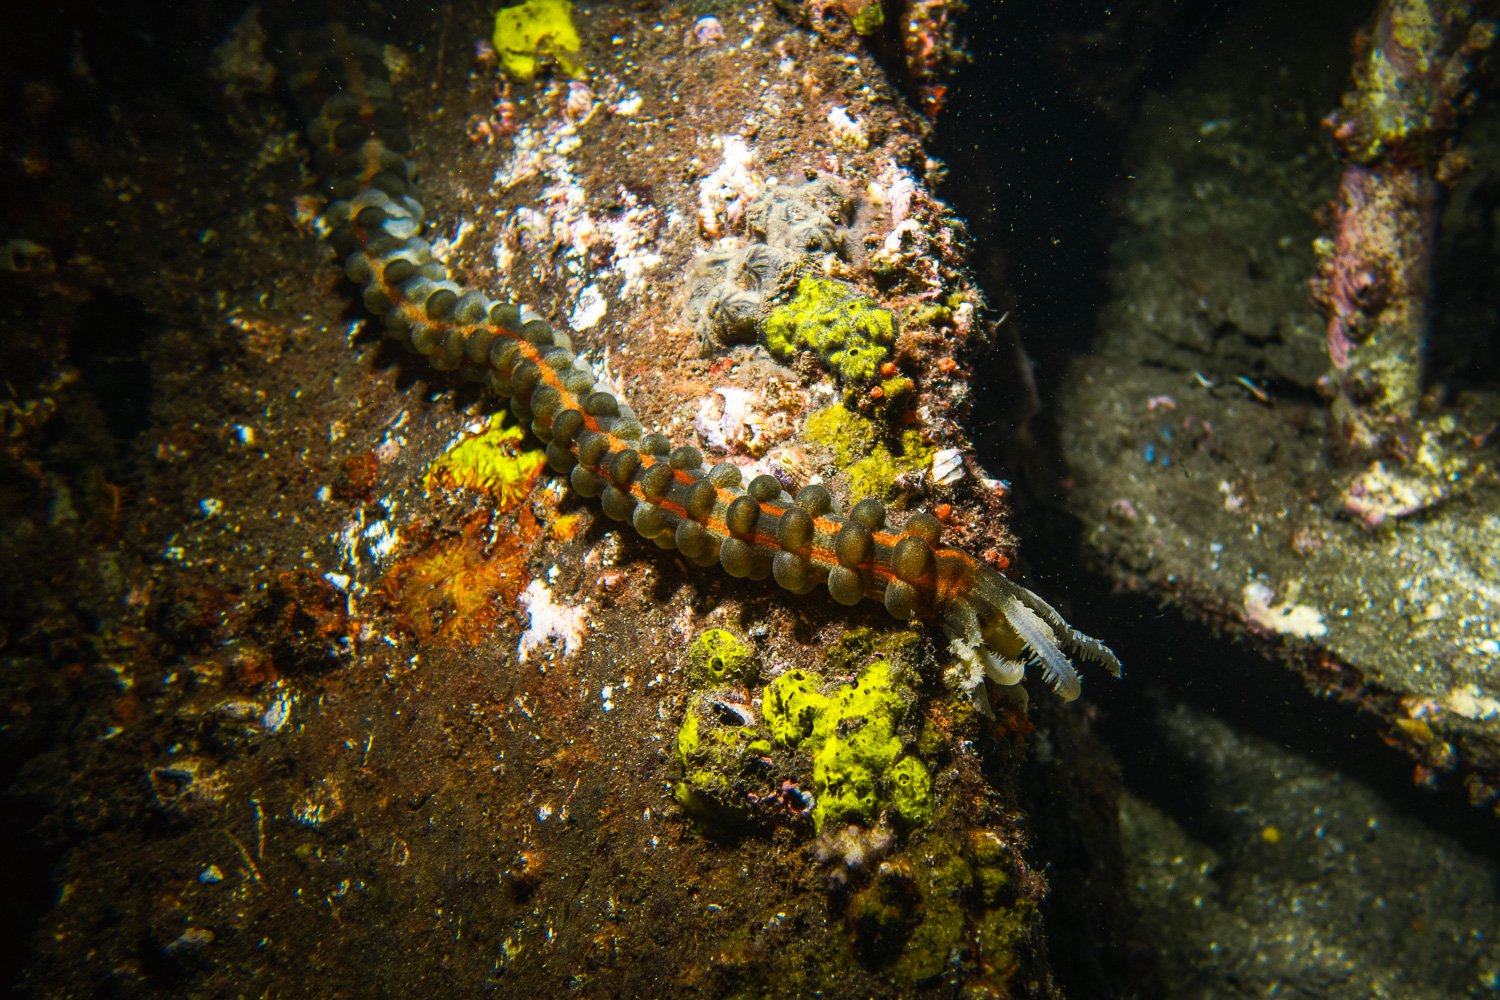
x: 755, y: 529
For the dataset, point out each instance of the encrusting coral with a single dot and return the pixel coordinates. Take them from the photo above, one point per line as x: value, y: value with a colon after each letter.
x: 752, y: 529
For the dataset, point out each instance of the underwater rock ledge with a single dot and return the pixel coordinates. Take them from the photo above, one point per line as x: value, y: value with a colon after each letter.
x: 377, y: 699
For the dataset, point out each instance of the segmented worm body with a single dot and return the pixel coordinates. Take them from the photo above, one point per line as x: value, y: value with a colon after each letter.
x: 753, y: 529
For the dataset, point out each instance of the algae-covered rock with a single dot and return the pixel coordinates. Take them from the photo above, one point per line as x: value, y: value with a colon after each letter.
x: 718, y: 656
x: 634, y: 832
x: 884, y: 913
x: 791, y: 706
x: 945, y: 893
x: 852, y: 733
x: 722, y: 753
x: 868, y: 460
x: 868, y: 18
x: 992, y: 866
x: 536, y: 32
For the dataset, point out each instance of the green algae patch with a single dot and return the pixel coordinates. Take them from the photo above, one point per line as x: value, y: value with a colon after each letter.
x: 718, y: 656
x: 947, y: 893
x: 933, y: 314
x: 944, y: 879
x: 869, y: 18
x: 849, y: 331
x: 1003, y: 916
x: 993, y: 876
x: 791, y: 706
x: 719, y: 763
x: 883, y: 914
x: 855, y: 648
x: 534, y: 33
x: 869, y: 462
x: 843, y: 432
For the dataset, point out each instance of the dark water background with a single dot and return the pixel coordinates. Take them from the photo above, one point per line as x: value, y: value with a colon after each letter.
x: 1033, y: 159
x: 1034, y: 139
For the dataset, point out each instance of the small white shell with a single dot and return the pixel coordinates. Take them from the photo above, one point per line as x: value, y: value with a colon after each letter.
x: 947, y: 466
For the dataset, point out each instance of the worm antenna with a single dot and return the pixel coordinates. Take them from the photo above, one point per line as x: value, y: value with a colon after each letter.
x: 1039, y: 639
